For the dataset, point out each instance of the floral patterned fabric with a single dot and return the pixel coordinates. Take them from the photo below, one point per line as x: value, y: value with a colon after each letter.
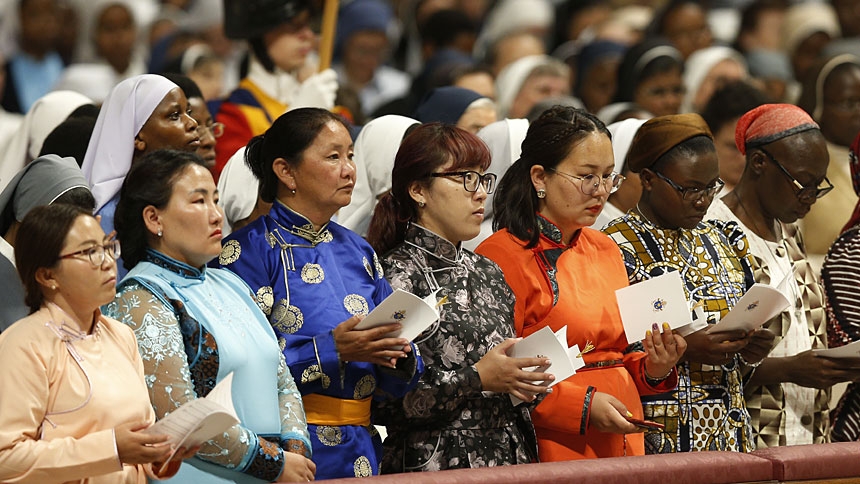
x: 447, y: 421
x: 707, y: 411
x: 192, y: 337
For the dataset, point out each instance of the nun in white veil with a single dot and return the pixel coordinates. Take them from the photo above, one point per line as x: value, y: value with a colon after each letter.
x: 505, y: 139
x: 46, y: 114
x: 375, y: 148
x: 115, y: 142
x: 630, y: 190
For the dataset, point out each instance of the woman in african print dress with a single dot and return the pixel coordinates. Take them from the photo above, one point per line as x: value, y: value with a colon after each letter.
x: 677, y: 163
x: 461, y: 414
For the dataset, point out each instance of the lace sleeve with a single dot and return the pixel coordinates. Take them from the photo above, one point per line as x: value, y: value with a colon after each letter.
x: 294, y: 427
x: 168, y: 377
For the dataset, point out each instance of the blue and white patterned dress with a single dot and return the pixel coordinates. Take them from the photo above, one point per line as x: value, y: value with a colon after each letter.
x: 193, y: 328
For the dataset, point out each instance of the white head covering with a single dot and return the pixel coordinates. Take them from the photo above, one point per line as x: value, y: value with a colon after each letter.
x: 697, y: 67
x: 46, y: 113
x: 512, y: 77
x: 509, y: 16
x: 622, y: 137
x: 804, y: 19
x: 237, y: 189
x: 375, y: 149
x: 505, y: 140
x: 123, y: 114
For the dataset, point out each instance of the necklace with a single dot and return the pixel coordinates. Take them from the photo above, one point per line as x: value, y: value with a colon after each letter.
x: 641, y: 214
x: 758, y: 231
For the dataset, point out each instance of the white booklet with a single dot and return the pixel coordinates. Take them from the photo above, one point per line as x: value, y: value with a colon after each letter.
x: 760, y: 303
x: 414, y: 313
x: 658, y: 300
x: 201, y: 419
x: 851, y: 350
x: 543, y: 343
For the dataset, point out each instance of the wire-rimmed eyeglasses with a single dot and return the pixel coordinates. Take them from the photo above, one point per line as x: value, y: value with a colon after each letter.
x: 97, y: 253
x: 471, y: 179
x: 803, y: 193
x: 693, y: 193
x: 588, y: 184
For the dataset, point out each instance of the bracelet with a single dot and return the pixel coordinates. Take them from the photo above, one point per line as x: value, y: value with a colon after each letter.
x: 655, y: 381
x: 747, y: 363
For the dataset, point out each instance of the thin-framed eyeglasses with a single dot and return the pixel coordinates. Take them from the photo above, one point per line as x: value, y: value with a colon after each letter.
x: 693, y: 193
x: 588, y: 183
x: 217, y: 129
x: 471, y: 179
x: 803, y: 193
x: 97, y: 253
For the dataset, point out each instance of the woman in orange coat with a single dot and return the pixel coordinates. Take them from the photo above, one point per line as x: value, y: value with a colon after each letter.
x: 565, y: 274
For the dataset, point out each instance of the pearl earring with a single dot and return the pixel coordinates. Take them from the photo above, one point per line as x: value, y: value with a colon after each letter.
x: 541, y: 193
x: 421, y: 204
x: 160, y: 232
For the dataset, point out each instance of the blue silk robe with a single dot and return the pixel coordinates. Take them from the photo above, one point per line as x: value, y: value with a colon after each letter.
x: 307, y: 283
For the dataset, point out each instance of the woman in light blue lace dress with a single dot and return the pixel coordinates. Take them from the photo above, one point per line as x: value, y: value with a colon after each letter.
x: 196, y: 325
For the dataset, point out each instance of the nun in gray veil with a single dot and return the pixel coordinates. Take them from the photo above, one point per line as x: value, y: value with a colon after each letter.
x: 48, y: 179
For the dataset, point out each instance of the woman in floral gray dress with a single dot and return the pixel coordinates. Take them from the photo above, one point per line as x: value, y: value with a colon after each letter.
x: 460, y: 415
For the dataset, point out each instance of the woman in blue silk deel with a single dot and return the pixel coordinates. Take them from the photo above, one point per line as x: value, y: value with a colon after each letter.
x: 316, y: 280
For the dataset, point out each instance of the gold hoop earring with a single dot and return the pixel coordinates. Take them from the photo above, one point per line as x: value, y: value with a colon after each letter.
x: 541, y: 193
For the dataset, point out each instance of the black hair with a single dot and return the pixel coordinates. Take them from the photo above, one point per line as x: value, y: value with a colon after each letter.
x: 549, y: 140
x: 149, y: 182
x: 188, y: 86
x: 730, y: 102
x: 632, y: 70
x: 442, y: 28
x: 80, y: 197
x: 287, y: 138
x: 40, y: 239
x: 70, y: 138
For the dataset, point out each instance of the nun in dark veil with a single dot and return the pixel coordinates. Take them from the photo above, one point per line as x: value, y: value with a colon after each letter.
x: 48, y: 179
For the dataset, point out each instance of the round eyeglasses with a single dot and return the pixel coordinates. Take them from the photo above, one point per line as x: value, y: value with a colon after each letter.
x: 588, y: 184
x: 97, y: 253
x: 471, y: 180
x: 693, y: 193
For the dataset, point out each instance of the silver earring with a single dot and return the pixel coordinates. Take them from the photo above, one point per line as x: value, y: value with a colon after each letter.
x: 160, y: 232
x: 421, y: 204
x: 541, y: 193
x: 293, y: 191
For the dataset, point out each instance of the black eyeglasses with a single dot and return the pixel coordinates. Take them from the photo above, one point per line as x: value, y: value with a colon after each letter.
x: 693, y: 193
x: 803, y: 193
x: 97, y: 253
x: 471, y: 180
x: 588, y: 184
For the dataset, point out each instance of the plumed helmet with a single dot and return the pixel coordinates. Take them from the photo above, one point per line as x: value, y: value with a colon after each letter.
x: 247, y: 19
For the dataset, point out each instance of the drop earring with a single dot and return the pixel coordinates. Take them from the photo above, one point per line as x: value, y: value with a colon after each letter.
x: 541, y: 193
x: 160, y: 232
